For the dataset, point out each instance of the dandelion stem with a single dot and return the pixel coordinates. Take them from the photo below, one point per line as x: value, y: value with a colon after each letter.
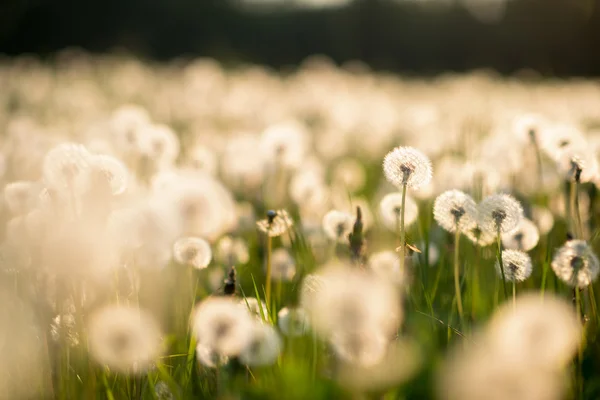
x: 499, y: 240
x: 268, y: 260
x: 456, y: 275
x: 538, y: 159
x: 580, y: 347
x: 514, y: 295
x: 402, y: 233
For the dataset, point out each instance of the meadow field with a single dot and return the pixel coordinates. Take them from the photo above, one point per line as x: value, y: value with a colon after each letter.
x: 193, y: 230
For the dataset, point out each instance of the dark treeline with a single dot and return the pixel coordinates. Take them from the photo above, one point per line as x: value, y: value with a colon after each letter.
x: 555, y: 37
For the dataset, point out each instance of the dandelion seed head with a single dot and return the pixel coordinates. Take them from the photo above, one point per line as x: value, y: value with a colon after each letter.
x: 276, y: 224
x: 283, y: 266
x: 263, y: 347
x: 543, y: 219
x: 21, y: 196
x: 576, y: 264
x: 293, y: 322
x: 63, y: 164
x: 162, y: 391
x: 390, y: 208
x: 480, y: 236
x: 125, y: 339
x: 407, y: 166
x: 192, y: 251
x: 337, y: 225
x: 208, y: 357
x: 105, y: 172
x: 499, y: 212
x: 517, y: 265
x: 256, y: 308
x: 360, y: 347
x: 222, y: 324
x: 386, y: 264
x: 454, y: 210
x: 232, y: 251
x: 350, y: 174
x: 285, y: 144
x: 524, y: 237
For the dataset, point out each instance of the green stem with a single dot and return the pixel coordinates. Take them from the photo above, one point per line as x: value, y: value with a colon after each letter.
x: 402, y: 233
x: 268, y: 285
x: 499, y: 240
x: 572, y: 219
x: 538, y: 158
x: 514, y: 294
x: 580, y: 347
x: 456, y: 275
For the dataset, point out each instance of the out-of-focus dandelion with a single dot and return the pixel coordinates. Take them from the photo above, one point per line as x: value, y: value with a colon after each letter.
x: 524, y: 237
x: 360, y: 347
x: 350, y: 173
x: 337, y: 225
x: 208, y: 357
x: 232, y: 251
x: 406, y: 167
x: 455, y: 211
x: 105, y: 173
x: 192, y: 251
x: 543, y: 218
x: 222, y: 325
x: 125, y: 339
x: 256, y: 308
x: 276, y: 224
x: 576, y: 264
x: 390, y: 210
x: 292, y: 322
x: 497, y: 214
x: 386, y: 264
x: 21, y: 196
x: 517, y: 268
x: 263, y: 347
x: 283, y: 266
x: 162, y: 391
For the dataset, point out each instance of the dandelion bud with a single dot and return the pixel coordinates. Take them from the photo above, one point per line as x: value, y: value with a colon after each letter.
x: 263, y: 347
x: 517, y: 265
x: 125, y: 339
x: 276, y: 223
x: 576, y: 264
x: 229, y: 287
x: 337, y: 225
x: 454, y: 210
x: 407, y: 166
x: 192, y: 251
x: 499, y: 213
x: 390, y: 209
x: 292, y: 322
x: 524, y: 237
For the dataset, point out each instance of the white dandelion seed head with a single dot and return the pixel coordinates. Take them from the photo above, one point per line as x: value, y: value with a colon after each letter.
x: 242, y: 162
x: 208, y: 357
x: 222, y: 324
x: 407, y: 166
x: 160, y: 144
x: 517, y: 265
x: 232, y: 251
x: 256, y: 308
x: 307, y: 185
x: 529, y: 128
x: 64, y: 164
x: 202, y: 158
x: 386, y: 265
x: 125, y: 339
x: 454, y: 210
x: 264, y: 346
x: 192, y: 251
x: 499, y: 212
x: 337, y: 225
x: 543, y: 332
x: 345, y: 299
x: 524, y: 237
x: 293, y: 322
x: 561, y: 139
x: 390, y: 209
x: 582, y: 161
x: 349, y: 173
x: 104, y: 173
x: 285, y: 144
x: 276, y: 224
x: 364, y: 347
x: 283, y: 266
x: 576, y: 264
x: 21, y: 196
x: 480, y: 237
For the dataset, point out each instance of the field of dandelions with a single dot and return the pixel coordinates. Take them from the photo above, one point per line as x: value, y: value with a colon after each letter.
x: 192, y: 230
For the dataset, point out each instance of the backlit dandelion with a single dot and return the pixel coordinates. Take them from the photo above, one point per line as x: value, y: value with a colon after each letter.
x: 499, y: 213
x: 283, y: 266
x: 455, y: 210
x: 337, y: 225
x: 524, y: 237
x: 386, y: 264
x: 192, y: 251
x: 208, y: 357
x: 124, y: 339
x: 221, y: 324
x: 406, y: 166
x: 576, y: 264
x: 276, y: 224
x: 263, y: 347
x: 360, y: 347
x: 517, y: 265
x: 390, y: 210
x: 292, y: 321
x: 232, y: 251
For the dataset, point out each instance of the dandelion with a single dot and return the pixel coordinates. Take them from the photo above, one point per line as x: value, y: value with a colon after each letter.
x: 256, y: 308
x: 517, y: 268
x: 162, y: 391
x: 364, y: 348
x: 524, y: 237
x: 390, y: 210
x: 232, y: 251
x: 292, y: 322
x: 499, y: 213
x: 350, y: 173
x: 283, y: 266
x: 221, y: 324
x: 406, y: 167
x: 386, y: 265
x: 263, y: 347
x: 337, y: 225
x: 21, y: 196
x: 543, y: 219
x: 276, y: 224
x: 124, y: 339
x: 480, y: 237
x: 63, y: 164
x: 576, y: 264
x: 455, y: 211
x: 192, y: 251
x: 104, y: 173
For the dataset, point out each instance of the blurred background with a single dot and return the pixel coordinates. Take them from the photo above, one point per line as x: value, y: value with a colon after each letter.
x: 422, y: 37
